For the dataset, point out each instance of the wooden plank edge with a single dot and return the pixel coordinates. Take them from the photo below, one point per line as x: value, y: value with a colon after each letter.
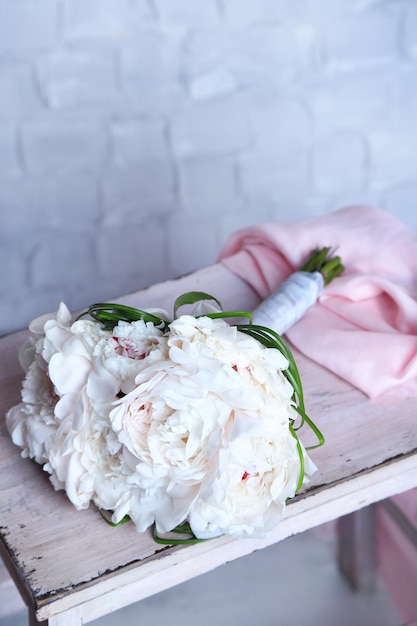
x: 161, y: 572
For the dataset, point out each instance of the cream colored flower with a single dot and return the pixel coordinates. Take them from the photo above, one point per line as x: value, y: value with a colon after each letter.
x: 182, y: 418
x: 74, y: 372
x: 258, y: 471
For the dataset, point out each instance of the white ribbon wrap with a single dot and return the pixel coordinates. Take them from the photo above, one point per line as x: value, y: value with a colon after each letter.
x: 290, y: 302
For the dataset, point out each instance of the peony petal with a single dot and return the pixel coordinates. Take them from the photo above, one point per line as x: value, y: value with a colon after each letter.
x: 69, y: 373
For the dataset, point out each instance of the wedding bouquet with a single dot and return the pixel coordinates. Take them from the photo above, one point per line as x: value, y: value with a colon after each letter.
x: 187, y: 424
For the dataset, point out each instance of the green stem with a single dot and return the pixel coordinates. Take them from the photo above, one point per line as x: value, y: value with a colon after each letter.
x: 322, y: 261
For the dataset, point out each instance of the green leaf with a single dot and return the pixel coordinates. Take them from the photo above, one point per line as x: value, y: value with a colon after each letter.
x: 320, y: 437
x: 301, y: 457
x: 108, y: 315
x: 191, y: 297
x: 226, y: 314
x: 107, y: 519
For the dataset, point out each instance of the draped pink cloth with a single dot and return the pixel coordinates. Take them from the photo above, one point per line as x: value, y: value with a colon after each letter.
x: 364, y: 325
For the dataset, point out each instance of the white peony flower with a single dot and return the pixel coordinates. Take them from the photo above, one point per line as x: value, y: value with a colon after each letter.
x: 173, y: 426
x: 258, y: 471
x: 181, y: 418
x: 131, y: 348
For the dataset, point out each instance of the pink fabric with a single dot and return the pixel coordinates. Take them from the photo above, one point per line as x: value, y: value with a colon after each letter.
x: 363, y: 328
x: 371, y: 310
x: 397, y: 557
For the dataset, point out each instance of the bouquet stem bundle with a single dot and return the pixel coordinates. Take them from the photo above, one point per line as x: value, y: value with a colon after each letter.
x: 299, y: 292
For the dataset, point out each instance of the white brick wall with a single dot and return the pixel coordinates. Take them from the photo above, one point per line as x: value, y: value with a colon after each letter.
x: 136, y: 135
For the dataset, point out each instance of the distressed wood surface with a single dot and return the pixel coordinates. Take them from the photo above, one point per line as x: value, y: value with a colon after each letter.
x: 65, y: 560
